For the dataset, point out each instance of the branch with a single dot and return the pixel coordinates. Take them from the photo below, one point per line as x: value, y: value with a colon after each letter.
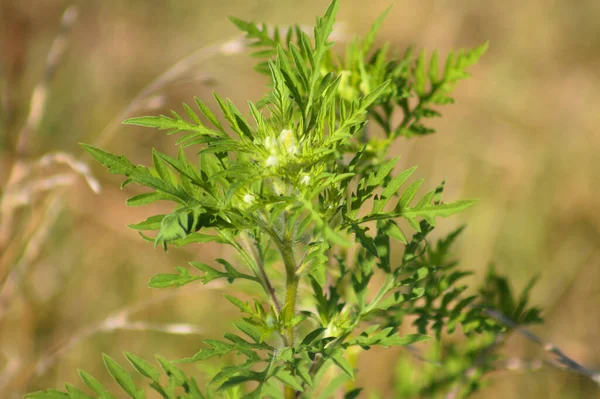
x: 561, y: 360
x: 262, y: 274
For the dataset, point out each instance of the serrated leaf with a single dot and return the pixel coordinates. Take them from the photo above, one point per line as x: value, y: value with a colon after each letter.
x: 116, y: 164
x: 174, y: 124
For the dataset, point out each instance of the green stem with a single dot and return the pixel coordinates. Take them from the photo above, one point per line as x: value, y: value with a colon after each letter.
x: 289, y: 307
x: 262, y: 275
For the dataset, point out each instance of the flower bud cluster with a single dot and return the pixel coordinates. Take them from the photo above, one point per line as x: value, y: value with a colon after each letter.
x: 282, y: 149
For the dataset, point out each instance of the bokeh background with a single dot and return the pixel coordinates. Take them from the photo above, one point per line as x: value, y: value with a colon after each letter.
x: 523, y: 137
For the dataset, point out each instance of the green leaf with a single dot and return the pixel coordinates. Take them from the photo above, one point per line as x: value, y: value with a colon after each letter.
x: 115, y: 164
x: 168, y: 280
x: 324, y: 27
x: 183, y: 167
x: 393, y: 186
x: 433, y: 67
x: 289, y: 380
x: 365, y: 240
x: 310, y: 337
x: 243, y: 306
x: 420, y: 75
x: 152, y: 223
x: 235, y: 381
x: 342, y: 363
x: 173, y: 372
x: 409, y: 339
x: 391, y: 189
x: 47, y: 394
x: 249, y: 330
x: 208, y: 114
x: 376, y: 178
x: 374, y: 95
x: 174, y: 124
x: 353, y: 394
x: 408, y: 195
x: 333, y: 386
x: 161, y: 169
x: 122, y: 378
x: 75, y: 393
x: 143, y: 367
x: 196, y: 238
x: 393, y: 231
x: 431, y: 211
x: 95, y: 385
x: 370, y: 38
x: 138, y: 174
x: 147, y: 198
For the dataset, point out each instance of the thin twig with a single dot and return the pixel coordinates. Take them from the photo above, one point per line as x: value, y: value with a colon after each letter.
x: 261, y: 268
x: 561, y: 359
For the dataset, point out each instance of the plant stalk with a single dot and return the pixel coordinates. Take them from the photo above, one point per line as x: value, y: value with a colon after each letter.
x: 289, y: 307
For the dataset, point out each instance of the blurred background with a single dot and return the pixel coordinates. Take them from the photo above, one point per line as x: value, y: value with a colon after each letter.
x: 522, y: 137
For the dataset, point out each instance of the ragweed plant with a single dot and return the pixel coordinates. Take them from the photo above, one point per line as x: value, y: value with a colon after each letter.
x: 292, y: 185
